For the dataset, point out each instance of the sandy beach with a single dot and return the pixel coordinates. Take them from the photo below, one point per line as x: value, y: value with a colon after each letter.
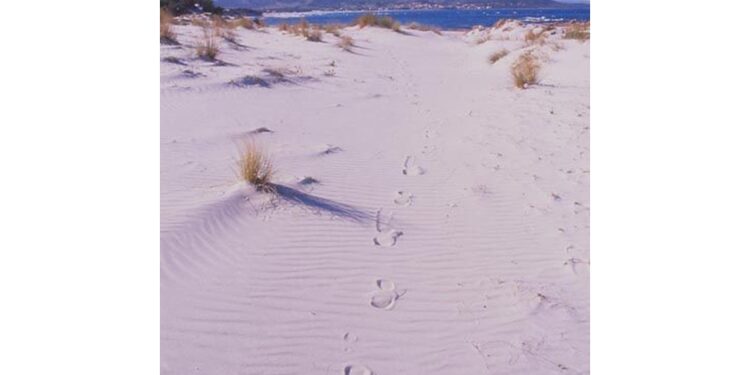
x: 429, y: 216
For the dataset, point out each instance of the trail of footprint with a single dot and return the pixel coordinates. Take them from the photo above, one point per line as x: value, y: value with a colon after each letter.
x: 330, y: 149
x: 350, y: 339
x: 385, y: 238
x: 410, y: 169
x: 357, y: 370
x: 403, y: 198
x: 386, y: 295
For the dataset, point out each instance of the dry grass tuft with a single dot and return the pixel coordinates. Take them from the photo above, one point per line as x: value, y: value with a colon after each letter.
x: 166, y: 33
x: 219, y: 21
x: 346, y: 43
x: 500, y: 23
x: 498, y: 55
x: 578, y: 31
x: 304, y: 29
x: 228, y: 34
x: 242, y: 22
x: 483, y: 39
x: 256, y: 167
x: 370, y: 19
x: 421, y: 27
x: 525, y: 70
x: 535, y: 38
x: 333, y: 28
x: 224, y: 28
x: 208, y: 47
x: 313, y: 35
x: 200, y: 22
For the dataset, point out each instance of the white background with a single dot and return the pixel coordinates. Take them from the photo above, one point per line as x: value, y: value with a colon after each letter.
x: 79, y: 187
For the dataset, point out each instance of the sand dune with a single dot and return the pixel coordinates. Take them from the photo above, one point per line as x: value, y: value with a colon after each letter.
x: 431, y: 218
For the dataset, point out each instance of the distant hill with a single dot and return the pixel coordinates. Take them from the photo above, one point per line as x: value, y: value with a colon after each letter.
x: 379, y: 4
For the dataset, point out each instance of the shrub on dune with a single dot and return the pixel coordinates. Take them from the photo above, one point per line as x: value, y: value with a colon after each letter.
x: 256, y: 167
x: 498, y: 55
x: 525, y: 70
x: 166, y: 33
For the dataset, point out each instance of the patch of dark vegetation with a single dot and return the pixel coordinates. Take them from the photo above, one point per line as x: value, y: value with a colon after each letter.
x: 192, y: 74
x: 179, y: 7
x: 249, y: 81
x: 173, y: 60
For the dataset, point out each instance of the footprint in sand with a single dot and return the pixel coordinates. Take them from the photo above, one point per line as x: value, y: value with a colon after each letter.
x: 403, y: 198
x: 350, y: 339
x: 386, y: 295
x: 330, y: 149
x: 357, y: 370
x: 385, y: 237
x: 410, y: 168
x: 308, y: 183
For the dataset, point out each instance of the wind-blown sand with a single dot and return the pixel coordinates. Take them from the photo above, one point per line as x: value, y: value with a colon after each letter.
x: 431, y: 218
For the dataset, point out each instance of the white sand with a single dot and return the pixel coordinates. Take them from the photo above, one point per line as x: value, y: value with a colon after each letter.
x: 476, y: 192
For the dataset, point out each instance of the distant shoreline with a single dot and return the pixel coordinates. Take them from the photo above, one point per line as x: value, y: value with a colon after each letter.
x: 447, y: 19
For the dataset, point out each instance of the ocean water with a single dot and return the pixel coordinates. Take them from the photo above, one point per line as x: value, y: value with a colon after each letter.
x: 443, y: 18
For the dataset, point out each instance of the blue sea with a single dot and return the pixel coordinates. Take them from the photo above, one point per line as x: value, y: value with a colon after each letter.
x: 442, y: 18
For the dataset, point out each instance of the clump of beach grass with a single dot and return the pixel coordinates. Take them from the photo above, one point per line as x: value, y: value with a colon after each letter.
x: 498, y: 55
x: 525, y: 70
x: 346, y: 43
x: 386, y: 22
x: 166, y: 32
x: 208, y: 46
x: 256, y: 167
x: 578, y: 31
